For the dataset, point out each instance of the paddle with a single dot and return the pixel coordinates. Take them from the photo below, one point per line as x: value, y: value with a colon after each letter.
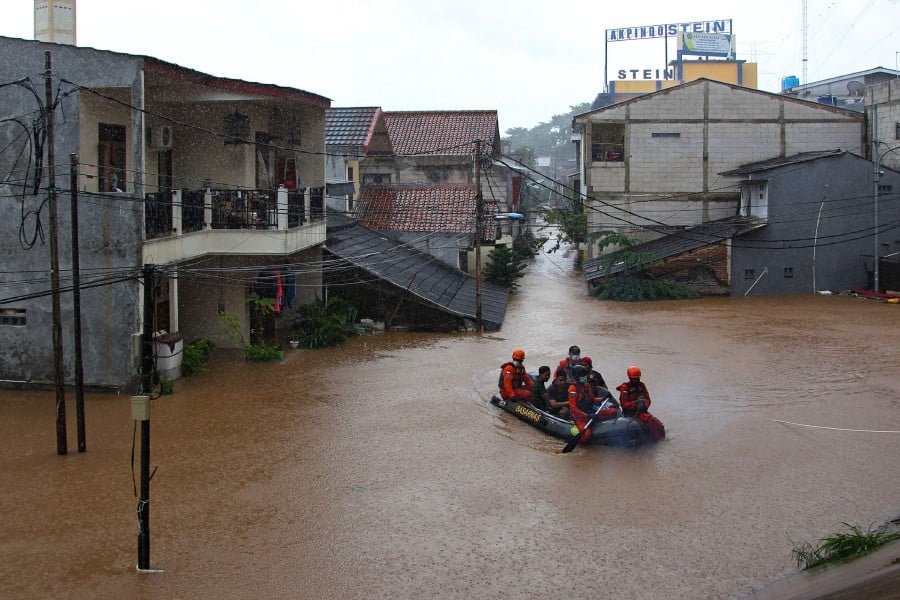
x: 574, y: 441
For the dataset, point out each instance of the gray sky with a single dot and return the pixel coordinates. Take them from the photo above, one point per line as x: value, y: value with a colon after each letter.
x: 528, y: 59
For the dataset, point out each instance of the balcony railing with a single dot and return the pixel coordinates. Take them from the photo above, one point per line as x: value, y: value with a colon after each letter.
x: 183, y: 211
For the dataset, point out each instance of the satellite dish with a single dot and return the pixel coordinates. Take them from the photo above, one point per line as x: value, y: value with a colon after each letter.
x: 856, y: 88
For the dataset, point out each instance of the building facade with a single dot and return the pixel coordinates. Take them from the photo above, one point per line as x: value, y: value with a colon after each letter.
x: 217, y: 182
x: 821, y: 219
x: 652, y: 164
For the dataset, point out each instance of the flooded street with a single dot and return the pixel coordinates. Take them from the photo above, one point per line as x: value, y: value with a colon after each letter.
x: 380, y: 470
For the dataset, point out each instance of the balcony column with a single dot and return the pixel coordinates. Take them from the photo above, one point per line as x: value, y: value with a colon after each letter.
x: 282, y: 208
x: 207, y: 209
x: 177, y: 212
x: 173, y: 301
x: 307, y: 212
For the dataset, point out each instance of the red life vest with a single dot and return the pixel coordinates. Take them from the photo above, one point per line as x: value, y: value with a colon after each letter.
x: 518, y: 375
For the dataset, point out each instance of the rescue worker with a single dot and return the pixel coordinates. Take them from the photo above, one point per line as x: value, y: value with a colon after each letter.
x: 583, y: 405
x: 566, y: 364
x: 594, y: 377
x: 514, y: 380
x: 635, y: 400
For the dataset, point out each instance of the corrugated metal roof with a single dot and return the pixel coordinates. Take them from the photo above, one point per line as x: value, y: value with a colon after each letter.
x: 350, y: 126
x: 446, y: 132
x: 781, y: 161
x: 414, y: 272
x: 674, y: 244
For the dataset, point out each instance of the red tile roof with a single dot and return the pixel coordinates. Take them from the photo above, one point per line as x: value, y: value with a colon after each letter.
x: 432, y: 209
x: 442, y: 131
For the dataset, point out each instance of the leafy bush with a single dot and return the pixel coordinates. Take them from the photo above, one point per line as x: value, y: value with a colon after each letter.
x: 633, y: 283
x: 195, y: 356
x: 320, y: 324
x: 639, y: 288
x: 843, y: 546
x: 166, y: 385
x: 262, y: 353
x: 504, y: 268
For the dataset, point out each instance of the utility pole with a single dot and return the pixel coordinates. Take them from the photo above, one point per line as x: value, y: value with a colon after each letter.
x: 141, y: 411
x: 876, y: 178
x: 76, y: 303
x: 58, y: 377
x: 479, y: 218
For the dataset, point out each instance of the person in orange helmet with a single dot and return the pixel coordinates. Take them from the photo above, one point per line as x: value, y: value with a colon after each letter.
x: 514, y: 379
x: 635, y: 400
x: 583, y: 404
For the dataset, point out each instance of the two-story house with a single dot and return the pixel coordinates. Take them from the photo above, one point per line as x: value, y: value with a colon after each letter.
x: 218, y: 182
x: 424, y: 194
x: 653, y: 164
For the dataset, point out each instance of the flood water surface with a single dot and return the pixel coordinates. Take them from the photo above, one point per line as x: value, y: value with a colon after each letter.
x: 380, y: 470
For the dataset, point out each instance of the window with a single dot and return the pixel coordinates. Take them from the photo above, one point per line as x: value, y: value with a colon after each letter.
x: 608, y: 142
x: 749, y: 273
x: 885, y: 187
x: 12, y: 317
x: 788, y: 272
x: 377, y: 178
x: 897, y: 130
x: 349, y: 173
x: 665, y: 134
x: 111, y: 158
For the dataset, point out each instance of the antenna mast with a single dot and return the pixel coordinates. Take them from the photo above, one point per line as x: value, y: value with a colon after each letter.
x: 804, y: 5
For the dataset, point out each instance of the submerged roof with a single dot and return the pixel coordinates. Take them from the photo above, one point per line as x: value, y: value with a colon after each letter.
x: 442, y: 132
x: 351, y: 126
x: 414, y: 272
x: 674, y: 244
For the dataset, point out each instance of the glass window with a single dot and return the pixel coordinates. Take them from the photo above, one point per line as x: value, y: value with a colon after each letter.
x: 111, y: 158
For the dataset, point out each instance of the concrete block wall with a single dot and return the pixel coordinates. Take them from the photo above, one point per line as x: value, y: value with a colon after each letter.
x: 665, y: 164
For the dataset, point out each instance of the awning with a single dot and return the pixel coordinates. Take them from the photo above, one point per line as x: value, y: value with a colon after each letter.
x: 340, y: 188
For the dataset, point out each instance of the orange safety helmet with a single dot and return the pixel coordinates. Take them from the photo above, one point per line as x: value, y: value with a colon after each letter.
x: 518, y: 354
x: 633, y: 372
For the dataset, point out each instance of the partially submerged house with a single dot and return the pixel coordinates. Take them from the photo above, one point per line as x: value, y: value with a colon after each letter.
x: 218, y: 182
x: 805, y: 223
x: 652, y: 165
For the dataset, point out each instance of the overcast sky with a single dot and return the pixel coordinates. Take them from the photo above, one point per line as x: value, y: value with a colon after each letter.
x: 527, y: 59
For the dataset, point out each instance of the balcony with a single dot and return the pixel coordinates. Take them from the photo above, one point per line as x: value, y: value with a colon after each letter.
x: 184, y: 224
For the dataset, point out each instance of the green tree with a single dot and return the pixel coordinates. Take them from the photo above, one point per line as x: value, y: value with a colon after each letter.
x: 504, y: 268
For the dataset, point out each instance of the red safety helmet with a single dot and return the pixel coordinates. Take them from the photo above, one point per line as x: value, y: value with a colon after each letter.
x: 586, y: 360
x: 633, y: 372
x: 518, y: 354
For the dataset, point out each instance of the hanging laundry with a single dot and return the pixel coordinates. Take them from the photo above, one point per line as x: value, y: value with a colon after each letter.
x: 279, y: 293
x: 290, y: 288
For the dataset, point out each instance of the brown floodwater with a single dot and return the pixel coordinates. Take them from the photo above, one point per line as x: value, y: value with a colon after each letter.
x: 380, y: 470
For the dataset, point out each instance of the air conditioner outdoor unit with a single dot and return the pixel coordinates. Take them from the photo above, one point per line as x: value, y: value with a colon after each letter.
x: 163, y: 137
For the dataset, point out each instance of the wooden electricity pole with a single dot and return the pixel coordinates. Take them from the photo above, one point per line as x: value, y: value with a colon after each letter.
x: 58, y: 377
x: 76, y: 303
x: 479, y: 217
